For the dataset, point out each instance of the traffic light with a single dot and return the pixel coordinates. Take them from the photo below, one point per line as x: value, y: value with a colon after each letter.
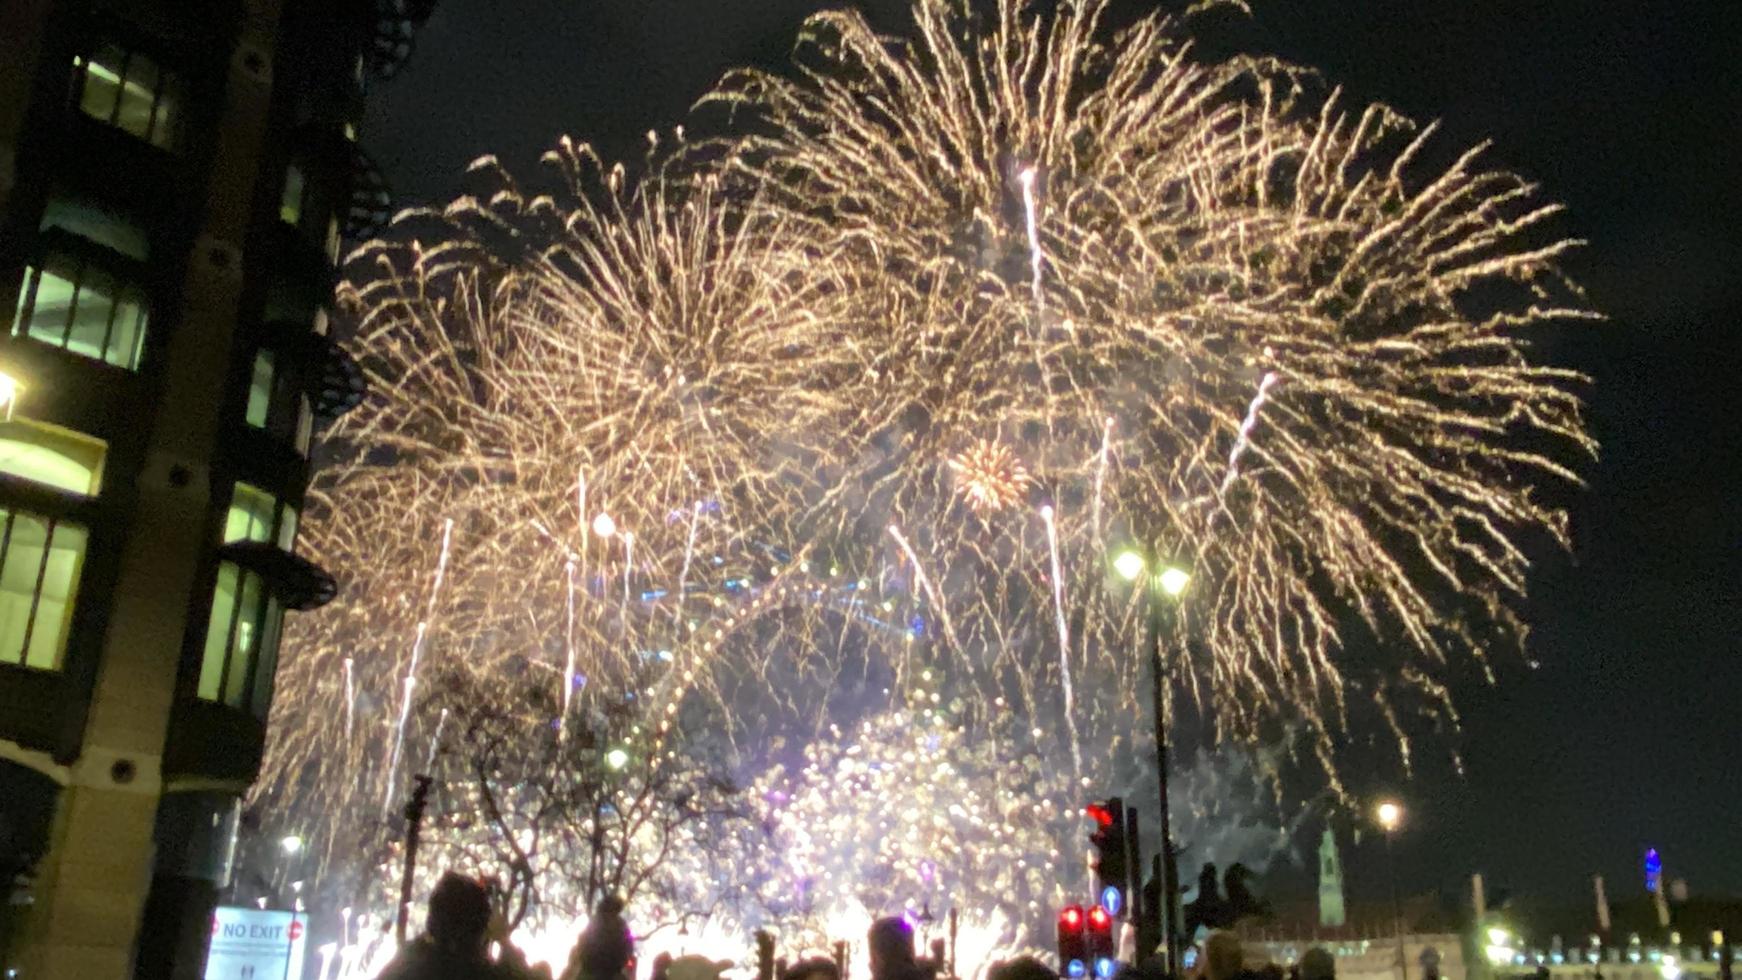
x: 1103, y: 951
x: 1073, y: 943
x: 1112, y: 874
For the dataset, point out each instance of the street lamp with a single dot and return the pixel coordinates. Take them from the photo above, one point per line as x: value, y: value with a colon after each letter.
x: 1390, y: 815
x: 1170, y: 581
x: 291, y: 845
x: 616, y: 759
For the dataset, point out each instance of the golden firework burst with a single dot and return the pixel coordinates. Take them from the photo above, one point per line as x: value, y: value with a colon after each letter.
x: 990, y: 476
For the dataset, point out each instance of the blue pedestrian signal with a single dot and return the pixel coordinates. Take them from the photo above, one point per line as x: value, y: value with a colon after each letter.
x: 1112, y: 900
x: 1104, y: 968
x: 1075, y: 969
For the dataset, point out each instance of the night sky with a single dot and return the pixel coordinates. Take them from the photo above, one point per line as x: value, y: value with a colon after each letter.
x: 1628, y: 733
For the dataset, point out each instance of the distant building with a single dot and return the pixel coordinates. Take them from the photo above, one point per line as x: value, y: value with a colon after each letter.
x: 175, y: 179
x: 1330, y: 882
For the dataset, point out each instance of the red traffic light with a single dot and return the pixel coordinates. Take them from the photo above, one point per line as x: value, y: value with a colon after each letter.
x: 1099, y: 920
x: 1100, y: 813
x: 1071, y: 918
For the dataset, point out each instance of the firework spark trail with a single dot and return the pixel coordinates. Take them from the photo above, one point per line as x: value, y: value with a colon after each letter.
x: 568, y: 644
x: 924, y: 582
x: 407, y: 687
x: 1064, y: 637
x: 1247, y: 425
x: 350, y: 696
x: 435, y: 741
x: 1032, y: 222
x: 410, y: 683
x: 628, y: 561
x: 1101, y: 459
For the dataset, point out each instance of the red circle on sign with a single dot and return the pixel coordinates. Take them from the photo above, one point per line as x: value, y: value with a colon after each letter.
x: 295, y: 930
x: 214, y: 925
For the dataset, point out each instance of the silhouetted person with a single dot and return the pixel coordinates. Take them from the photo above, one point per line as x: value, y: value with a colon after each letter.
x: 457, y: 935
x: 605, y: 946
x: 1021, y: 968
x: 661, y: 967
x: 891, y: 945
x: 1318, y: 964
x: 1207, y: 909
x: 1223, y: 959
x: 815, y: 968
x: 1240, y: 901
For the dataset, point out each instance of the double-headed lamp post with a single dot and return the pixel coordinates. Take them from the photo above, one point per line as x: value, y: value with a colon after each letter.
x: 1164, y: 584
x: 1390, y: 815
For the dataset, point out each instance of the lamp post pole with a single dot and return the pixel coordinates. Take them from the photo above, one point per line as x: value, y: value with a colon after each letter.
x: 1390, y: 815
x: 1158, y: 580
x: 1167, y: 914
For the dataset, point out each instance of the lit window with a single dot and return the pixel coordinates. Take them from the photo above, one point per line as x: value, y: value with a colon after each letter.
x: 256, y: 515
x: 241, y: 649
x: 287, y: 529
x: 52, y: 457
x: 40, y: 562
x: 251, y: 515
x: 290, y: 203
x: 130, y: 92
x: 305, y: 424
x: 74, y: 304
x: 260, y: 390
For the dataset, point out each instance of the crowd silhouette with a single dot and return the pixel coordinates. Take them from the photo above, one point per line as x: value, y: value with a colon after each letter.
x: 467, y: 938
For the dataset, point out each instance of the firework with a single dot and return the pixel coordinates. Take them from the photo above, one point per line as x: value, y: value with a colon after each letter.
x: 697, y: 439
x: 990, y: 476
x: 1231, y: 310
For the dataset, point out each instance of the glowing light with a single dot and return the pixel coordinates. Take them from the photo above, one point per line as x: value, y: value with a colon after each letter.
x: 1390, y: 814
x: 604, y: 525
x: 290, y: 844
x: 1175, y: 580
x: 616, y: 758
x: 9, y: 392
x: 1129, y: 565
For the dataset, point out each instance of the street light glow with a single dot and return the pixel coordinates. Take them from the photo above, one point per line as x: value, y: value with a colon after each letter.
x: 291, y: 844
x: 616, y: 759
x: 1390, y: 815
x: 1129, y: 565
x: 604, y: 525
x: 9, y: 388
x: 1174, y: 580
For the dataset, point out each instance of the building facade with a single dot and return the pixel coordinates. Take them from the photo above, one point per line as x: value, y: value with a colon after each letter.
x: 176, y: 177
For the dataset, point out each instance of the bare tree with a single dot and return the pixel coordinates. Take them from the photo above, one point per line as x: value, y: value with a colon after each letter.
x: 562, y: 812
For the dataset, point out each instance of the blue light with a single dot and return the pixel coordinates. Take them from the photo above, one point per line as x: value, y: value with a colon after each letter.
x: 1112, y: 900
x: 1075, y: 969
x: 1104, y: 968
